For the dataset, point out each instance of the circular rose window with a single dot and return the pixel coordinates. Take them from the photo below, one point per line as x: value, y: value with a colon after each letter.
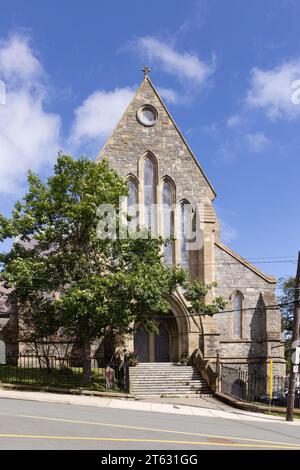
x: 147, y: 115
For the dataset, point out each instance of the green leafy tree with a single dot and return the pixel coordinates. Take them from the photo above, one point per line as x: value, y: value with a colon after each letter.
x: 286, y: 300
x: 104, y: 284
x: 196, y: 292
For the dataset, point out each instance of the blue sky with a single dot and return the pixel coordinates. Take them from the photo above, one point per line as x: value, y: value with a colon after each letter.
x: 224, y: 69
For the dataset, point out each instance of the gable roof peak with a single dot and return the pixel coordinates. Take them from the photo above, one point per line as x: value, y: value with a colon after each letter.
x: 147, y: 80
x: 142, y: 89
x: 146, y: 71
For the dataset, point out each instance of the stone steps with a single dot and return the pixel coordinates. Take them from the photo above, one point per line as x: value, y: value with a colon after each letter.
x: 172, y: 388
x: 175, y: 383
x: 163, y: 379
x: 166, y: 379
x: 163, y: 391
x: 178, y: 379
x: 173, y: 395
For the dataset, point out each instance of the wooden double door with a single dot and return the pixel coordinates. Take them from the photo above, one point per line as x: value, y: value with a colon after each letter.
x: 143, y: 340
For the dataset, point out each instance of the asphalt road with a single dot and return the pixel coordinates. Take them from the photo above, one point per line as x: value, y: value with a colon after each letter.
x: 35, y: 425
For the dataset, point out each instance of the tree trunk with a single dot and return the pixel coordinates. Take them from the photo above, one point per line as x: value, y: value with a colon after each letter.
x: 87, y: 371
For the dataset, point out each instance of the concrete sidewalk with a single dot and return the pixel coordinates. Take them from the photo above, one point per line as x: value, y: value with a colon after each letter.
x: 208, y: 407
x: 207, y: 402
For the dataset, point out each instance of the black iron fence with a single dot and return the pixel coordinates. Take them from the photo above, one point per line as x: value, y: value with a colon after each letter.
x: 253, y: 387
x: 63, y: 373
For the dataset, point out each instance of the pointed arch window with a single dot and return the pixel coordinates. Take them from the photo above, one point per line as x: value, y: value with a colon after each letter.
x: 168, y: 222
x: 185, y: 228
x: 149, y: 194
x: 237, y: 315
x: 132, y: 202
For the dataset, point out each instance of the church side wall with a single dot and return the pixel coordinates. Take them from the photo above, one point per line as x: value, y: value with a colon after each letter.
x: 261, y: 327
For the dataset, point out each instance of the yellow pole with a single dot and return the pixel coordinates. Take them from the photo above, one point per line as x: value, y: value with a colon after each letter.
x: 271, y: 379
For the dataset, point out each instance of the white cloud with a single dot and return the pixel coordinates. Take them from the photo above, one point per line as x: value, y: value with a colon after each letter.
x: 228, y: 151
x: 196, y: 18
x: 17, y: 62
x: 186, y: 66
x: 271, y: 90
x: 29, y: 136
x: 98, y: 115
x: 237, y: 147
x: 2, y: 92
x: 228, y: 233
x: 257, y: 142
x: 211, y: 129
x: 171, y: 96
x: 234, y: 120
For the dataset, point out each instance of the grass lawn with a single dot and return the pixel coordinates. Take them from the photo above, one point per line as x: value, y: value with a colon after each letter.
x: 280, y: 413
x: 273, y: 411
x: 66, y: 378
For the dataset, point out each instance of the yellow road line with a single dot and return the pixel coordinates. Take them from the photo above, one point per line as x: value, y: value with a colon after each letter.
x: 169, y: 431
x: 155, y: 441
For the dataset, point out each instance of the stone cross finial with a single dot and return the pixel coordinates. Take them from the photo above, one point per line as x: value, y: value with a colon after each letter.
x: 146, y: 71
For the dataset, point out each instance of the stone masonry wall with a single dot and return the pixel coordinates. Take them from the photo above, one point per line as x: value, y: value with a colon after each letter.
x: 130, y: 141
x: 261, y: 326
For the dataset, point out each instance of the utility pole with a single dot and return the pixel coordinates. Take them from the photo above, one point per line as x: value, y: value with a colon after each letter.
x: 295, y: 349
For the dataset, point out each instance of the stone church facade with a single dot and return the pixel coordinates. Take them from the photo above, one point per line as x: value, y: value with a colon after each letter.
x: 148, y: 149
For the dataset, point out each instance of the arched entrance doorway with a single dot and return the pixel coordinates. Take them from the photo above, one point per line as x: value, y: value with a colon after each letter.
x: 162, y: 344
x: 162, y: 347
x: 141, y: 344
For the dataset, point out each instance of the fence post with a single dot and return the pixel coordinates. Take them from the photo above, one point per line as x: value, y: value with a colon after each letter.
x: 271, y: 381
x: 218, y: 371
x: 126, y: 376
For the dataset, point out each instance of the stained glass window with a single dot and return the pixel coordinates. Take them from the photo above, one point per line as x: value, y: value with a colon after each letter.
x: 149, y: 194
x: 167, y: 222
x: 132, y: 204
x: 185, y: 230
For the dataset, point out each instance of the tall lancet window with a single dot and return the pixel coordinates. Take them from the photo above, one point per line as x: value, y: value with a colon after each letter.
x: 149, y: 194
x: 237, y: 315
x: 168, y: 225
x: 132, y: 201
x: 185, y: 228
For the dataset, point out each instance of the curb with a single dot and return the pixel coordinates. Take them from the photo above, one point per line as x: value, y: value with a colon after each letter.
x: 70, y: 391
x: 246, y: 406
